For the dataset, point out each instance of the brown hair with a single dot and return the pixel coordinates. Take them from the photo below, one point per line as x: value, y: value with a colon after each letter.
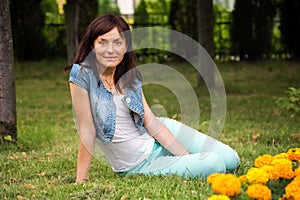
x: 100, y: 26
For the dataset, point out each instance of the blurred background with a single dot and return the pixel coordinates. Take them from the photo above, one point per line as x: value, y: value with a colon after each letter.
x: 228, y: 29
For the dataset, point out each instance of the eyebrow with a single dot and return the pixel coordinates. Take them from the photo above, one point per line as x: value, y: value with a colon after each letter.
x: 106, y: 39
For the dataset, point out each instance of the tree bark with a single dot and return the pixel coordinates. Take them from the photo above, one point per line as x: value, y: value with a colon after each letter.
x: 72, y: 21
x: 205, y: 31
x: 8, y: 116
x: 79, y: 14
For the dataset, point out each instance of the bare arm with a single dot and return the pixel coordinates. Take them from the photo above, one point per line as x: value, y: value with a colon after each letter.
x: 87, y: 132
x: 161, y: 133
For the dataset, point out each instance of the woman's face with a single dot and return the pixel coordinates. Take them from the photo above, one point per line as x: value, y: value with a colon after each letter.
x: 110, y: 48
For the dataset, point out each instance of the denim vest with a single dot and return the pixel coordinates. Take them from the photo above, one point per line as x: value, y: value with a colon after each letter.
x: 103, y: 108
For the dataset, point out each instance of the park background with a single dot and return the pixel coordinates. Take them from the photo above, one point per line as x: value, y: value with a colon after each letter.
x: 255, y: 45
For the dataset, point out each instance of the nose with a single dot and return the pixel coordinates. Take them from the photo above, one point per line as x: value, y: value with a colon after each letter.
x: 110, y: 48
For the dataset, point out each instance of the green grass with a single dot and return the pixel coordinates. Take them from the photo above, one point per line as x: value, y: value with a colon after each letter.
x: 42, y: 164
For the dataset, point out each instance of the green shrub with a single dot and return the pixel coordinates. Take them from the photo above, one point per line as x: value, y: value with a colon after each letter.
x: 290, y: 102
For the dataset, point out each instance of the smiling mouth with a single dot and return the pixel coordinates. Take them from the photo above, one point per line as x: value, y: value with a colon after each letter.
x: 110, y: 58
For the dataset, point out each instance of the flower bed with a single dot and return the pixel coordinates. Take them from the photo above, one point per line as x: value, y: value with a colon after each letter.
x: 272, y: 177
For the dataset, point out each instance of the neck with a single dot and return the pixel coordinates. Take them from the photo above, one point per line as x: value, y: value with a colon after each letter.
x: 108, y: 72
x: 108, y: 77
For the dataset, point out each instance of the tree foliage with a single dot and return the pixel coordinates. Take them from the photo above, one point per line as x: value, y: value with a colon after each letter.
x: 54, y: 30
x: 158, y: 12
x: 248, y: 31
x: 183, y: 17
x: 107, y: 6
x: 152, y: 13
x: 28, y: 21
x: 33, y: 38
x: 252, y: 26
x: 222, y: 38
x: 290, y: 26
x: 141, y: 16
x: 87, y: 13
x: 148, y: 14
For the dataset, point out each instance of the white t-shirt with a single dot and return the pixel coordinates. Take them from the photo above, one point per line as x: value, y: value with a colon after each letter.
x: 128, y: 147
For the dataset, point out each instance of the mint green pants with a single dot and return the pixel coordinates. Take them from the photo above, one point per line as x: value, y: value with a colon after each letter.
x: 207, y: 155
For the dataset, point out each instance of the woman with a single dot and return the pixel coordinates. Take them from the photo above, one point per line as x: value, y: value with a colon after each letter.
x: 110, y: 108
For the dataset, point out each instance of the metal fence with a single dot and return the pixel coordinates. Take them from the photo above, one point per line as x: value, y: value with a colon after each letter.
x: 222, y: 40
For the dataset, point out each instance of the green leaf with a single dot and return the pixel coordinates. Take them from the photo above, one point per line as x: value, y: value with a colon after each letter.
x: 8, y: 138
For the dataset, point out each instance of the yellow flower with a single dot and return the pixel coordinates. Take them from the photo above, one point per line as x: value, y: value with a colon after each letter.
x: 292, y: 189
x: 212, y: 177
x: 283, y: 168
x: 218, y: 197
x: 259, y: 192
x: 257, y: 175
x: 297, y: 178
x: 226, y: 184
x: 243, y: 179
x: 270, y: 171
x: 294, y: 154
x: 267, y: 167
x: 260, y: 161
x: 297, y: 172
x: 281, y: 155
x: 285, y: 197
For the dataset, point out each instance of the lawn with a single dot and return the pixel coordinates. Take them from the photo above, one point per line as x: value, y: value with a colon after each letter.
x: 42, y: 164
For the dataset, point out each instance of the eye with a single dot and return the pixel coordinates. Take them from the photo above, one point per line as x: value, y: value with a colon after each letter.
x: 118, y: 42
x: 102, y: 42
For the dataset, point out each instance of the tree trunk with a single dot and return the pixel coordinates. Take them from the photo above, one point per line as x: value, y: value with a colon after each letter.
x: 205, y: 32
x: 8, y: 119
x: 72, y: 21
x: 79, y: 14
x: 88, y: 11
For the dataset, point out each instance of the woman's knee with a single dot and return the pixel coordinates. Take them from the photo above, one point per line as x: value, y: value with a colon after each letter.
x: 232, y: 162
x: 207, y: 163
x: 229, y: 156
x: 214, y: 162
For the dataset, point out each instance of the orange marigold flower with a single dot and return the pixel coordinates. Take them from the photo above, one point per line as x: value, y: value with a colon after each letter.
x: 226, y: 184
x: 292, y: 189
x: 260, y: 161
x: 297, y: 178
x: 218, y: 197
x: 294, y: 154
x: 259, y: 192
x: 243, y: 179
x: 270, y: 171
x: 257, y: 175
x: 297, y: 172
x: 211, y: 178
x: 280, y: 156
x: 285, y: 197
x: 283, y: 168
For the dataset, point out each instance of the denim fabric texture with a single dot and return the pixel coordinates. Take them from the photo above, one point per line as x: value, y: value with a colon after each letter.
x: 102, y: 105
